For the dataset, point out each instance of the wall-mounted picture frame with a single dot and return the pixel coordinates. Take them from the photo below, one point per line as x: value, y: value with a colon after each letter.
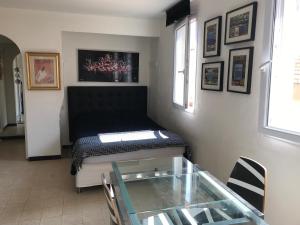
x: 212, y: 37
x: 240, y: 24
x: 240, y: 70
x: 43, y: 70
x: 108, y: 66
x: 212, y: 76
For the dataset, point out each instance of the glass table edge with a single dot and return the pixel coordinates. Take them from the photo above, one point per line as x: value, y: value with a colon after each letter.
x: 123, y: 190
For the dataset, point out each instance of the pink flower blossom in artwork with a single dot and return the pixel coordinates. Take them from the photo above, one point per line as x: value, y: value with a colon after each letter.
x: 107, y: 64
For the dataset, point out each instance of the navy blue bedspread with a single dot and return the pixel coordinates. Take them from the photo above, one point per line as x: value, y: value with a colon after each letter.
x: 92, y: 146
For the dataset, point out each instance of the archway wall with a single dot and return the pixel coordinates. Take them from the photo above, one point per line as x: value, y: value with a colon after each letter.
x: 42, y: 31
x: 18, y: 63
x: 3, y: 113
x: 9, y: 52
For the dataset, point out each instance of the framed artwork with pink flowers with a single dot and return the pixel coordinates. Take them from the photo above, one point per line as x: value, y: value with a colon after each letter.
x: 108, y: 66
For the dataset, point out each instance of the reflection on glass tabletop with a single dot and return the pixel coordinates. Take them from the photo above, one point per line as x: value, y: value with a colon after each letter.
x: 154, y: 167
x: 171, y: 191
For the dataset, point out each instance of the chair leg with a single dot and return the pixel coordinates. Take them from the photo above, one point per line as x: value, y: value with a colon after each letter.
x: 112, y: 222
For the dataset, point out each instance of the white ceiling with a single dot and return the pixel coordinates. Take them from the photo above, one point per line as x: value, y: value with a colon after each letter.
x: 128, y: 8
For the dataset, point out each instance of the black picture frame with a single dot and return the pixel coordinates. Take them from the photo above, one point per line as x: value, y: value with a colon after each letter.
x: 219, y: 65
x: 108, y: 66
x: 240, y: 70
x: 238, y: 28
x: 217, y: 21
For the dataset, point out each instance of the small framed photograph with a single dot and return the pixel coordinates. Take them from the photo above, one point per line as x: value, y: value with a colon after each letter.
x: 240, y: 24
x: 43, y: 71
x: 212, y: 76
x: 240, y: 70
x: 212, y: 37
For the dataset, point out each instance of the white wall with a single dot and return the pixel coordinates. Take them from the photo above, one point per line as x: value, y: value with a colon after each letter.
x: 71, y: 42
x: 42, y: 31
x: 225, y: 125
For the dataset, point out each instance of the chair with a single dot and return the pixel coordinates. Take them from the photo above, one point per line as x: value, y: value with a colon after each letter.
x: 248, y: 179
x: 111, y: 202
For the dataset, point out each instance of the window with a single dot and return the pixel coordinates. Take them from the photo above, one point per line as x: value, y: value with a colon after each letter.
x: 185, y: 64
x: 284, y: 92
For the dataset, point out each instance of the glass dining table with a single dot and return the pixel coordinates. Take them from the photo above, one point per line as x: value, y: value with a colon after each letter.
x: 173, y: 191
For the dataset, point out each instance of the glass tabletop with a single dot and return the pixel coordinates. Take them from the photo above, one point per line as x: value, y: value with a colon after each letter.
x: 154, y: 167
x: 171, y: 191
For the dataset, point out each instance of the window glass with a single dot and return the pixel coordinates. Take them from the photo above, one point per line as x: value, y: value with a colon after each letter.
x: 284, y: 101
x: 184, y: 90
x: 180, y: 43
x: 192, y: 65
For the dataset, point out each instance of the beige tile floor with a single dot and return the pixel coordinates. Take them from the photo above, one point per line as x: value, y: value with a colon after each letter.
x: 13, y: 131
x: 43, y: 193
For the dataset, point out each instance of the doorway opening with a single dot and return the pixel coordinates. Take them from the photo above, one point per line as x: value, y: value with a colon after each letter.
x: 11, y: 90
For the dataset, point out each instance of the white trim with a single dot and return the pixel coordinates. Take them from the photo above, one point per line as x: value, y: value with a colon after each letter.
x: 189, y: 217
x: 208, y: 215
x: 247, y: 186
x: 224, y: 215
x: 251, y: 170
x: 163, y: 219
x: 282, y: 135
x: 150, y: 220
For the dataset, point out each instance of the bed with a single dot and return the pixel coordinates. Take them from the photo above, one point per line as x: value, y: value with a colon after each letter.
x: 101, y: 110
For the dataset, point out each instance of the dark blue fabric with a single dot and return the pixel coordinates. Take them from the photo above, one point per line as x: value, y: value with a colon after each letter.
x: 92, y: 146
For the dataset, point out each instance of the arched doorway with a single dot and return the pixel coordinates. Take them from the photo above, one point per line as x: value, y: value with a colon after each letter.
x: 11, y: 90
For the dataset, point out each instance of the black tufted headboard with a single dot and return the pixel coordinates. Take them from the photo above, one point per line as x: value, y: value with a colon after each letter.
x: 106, y: 103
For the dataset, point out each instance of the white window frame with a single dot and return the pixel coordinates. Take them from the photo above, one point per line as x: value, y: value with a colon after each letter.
x: 185, y: 22
x: 266, y: 70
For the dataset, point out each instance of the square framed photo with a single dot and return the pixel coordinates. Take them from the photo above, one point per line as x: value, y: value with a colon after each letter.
x: 212, y: 37
x: 212, y: 76
x: 43, y: 71
x: 240, y: 70
x: 240, y: 24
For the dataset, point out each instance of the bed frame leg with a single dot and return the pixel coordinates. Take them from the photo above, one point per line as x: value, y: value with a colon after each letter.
x: 78, y: 190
